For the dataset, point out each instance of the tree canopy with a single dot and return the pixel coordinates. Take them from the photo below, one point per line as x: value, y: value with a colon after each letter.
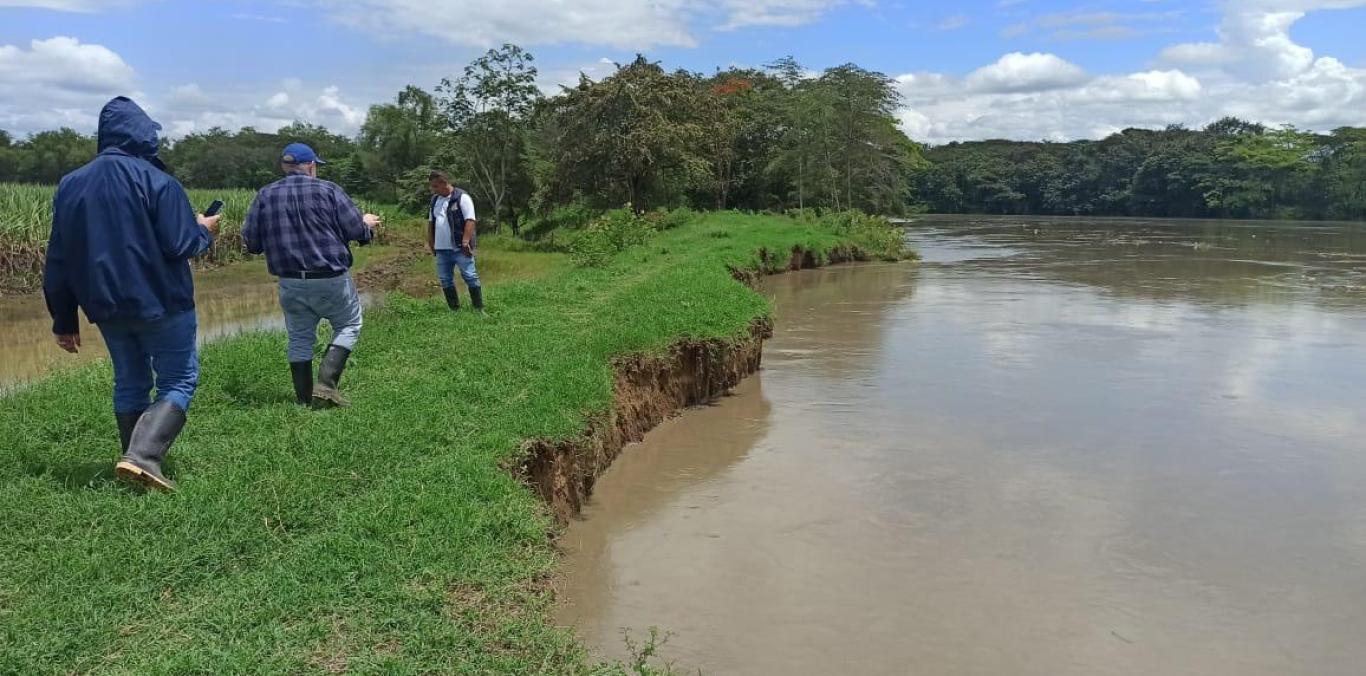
x: 1230, y: 169
x: 770, y: 138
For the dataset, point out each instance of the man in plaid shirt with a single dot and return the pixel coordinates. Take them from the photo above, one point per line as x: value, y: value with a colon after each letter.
x: 304, y: 226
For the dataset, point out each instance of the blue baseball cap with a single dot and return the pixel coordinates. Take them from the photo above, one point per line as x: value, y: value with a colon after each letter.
x: 299, y: 153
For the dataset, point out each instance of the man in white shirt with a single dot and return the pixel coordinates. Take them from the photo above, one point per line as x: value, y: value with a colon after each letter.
x: 452, y: 236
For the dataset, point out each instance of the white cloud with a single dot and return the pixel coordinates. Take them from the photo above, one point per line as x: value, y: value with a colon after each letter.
x: 1019, y: 72
x: 66, y: 64
x: 1094, y: 25
x: 550, y: 81
x: 1255, y: 71
x: 1254, y: 40
x: 742, y: 13
x: 57, y: 82
x: 190, y: 110
x: 1154, y: 86
x: 189, y: 97
x: 623, y: 24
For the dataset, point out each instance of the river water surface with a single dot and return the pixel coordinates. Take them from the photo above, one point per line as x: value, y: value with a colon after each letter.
x: 1055, y: 447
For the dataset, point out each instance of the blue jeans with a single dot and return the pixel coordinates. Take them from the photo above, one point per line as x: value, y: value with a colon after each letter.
x: 306, y: 302
x: 447, y: 260
x: 161, y: 352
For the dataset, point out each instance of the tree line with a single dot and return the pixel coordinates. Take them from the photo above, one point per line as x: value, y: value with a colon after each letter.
x: 1229, y: 169
x: 771, y: 138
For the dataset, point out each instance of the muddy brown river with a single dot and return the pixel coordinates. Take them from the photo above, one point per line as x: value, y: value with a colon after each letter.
x: 1055, y: 447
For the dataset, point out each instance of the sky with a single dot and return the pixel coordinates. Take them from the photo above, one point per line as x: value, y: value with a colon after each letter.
x: 968, y: 69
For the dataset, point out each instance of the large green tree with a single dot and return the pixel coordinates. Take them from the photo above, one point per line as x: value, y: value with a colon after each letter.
x: 397, y: 138
x: 9, y: 158
x: 1342, y: 181
x: 840, y: 146
x: 47, y: 156
x: 634, y: 137
x: 488, y: 109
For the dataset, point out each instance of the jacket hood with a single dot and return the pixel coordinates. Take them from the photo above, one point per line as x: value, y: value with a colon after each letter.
x: 125, y: 126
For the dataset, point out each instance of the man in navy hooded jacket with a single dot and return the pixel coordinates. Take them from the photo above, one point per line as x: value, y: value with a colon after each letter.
x: 123, y: 233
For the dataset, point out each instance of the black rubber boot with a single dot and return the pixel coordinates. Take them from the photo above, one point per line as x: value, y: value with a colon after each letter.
x: 477, y: 297
x: 156, y: 430
x: 302, y: 372
x: 452, y: 298
x: 127, y: 421
x: 325, y: 394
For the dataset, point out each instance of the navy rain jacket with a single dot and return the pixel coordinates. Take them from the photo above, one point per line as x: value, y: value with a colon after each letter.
x: 123, y: 231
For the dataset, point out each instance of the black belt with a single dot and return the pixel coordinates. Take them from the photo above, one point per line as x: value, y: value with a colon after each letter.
x: 326, y: 274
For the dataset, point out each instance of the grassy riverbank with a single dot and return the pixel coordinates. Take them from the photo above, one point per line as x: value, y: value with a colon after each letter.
x: 389, y: 537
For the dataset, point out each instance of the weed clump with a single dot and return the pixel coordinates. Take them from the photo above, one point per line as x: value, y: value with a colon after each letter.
x: 609, y: 235
x: 875, y: 235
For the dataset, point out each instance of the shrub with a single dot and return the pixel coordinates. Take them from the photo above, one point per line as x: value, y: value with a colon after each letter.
x: 874, y: 234
x: 609, y: 235
x: 667, y: 219
x: 807, y: 215
x: 573, y: 216
x: 590, y: 249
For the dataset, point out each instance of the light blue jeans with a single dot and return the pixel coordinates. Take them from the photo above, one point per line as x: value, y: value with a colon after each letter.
x: 160, y: 352
x: 308, y: 301
x: 448, y: 260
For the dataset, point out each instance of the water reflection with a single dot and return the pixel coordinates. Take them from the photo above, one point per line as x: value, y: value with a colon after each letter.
x: 1210, y: 261
x: 29, y: 351
x: 1053, y: 452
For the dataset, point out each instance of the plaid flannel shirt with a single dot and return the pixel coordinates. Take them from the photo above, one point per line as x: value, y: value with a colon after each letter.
x: 304, y: 224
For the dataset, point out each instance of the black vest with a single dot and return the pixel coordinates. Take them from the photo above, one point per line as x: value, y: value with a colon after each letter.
x: 455, y: 218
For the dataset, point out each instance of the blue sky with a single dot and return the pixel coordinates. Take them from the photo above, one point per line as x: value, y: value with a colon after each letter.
x: 970, y: 69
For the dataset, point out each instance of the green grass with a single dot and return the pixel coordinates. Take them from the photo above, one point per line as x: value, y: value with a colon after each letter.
x: 499, y: 258
x: 384, y: 538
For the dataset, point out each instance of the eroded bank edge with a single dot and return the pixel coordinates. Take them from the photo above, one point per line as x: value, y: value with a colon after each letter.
x: 648, y: 389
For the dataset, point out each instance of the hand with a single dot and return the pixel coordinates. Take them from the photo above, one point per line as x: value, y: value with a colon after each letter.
x: 431, y: 248
x: 70, y: 342
x: 210, y: 223
x: 372, y: 221
x: 465, y: 246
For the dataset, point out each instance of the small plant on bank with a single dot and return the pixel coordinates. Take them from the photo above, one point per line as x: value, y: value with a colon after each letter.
x: 645, y: 659
x: 675, y: 218
x: 609, y: 235
x: 875, y: 234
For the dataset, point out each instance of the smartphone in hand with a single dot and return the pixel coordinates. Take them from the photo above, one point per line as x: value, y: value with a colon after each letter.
x: 214, y: 208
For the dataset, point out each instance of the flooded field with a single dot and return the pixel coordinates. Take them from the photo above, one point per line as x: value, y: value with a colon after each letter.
x: 1055, y: 447
x: 230, y: 302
